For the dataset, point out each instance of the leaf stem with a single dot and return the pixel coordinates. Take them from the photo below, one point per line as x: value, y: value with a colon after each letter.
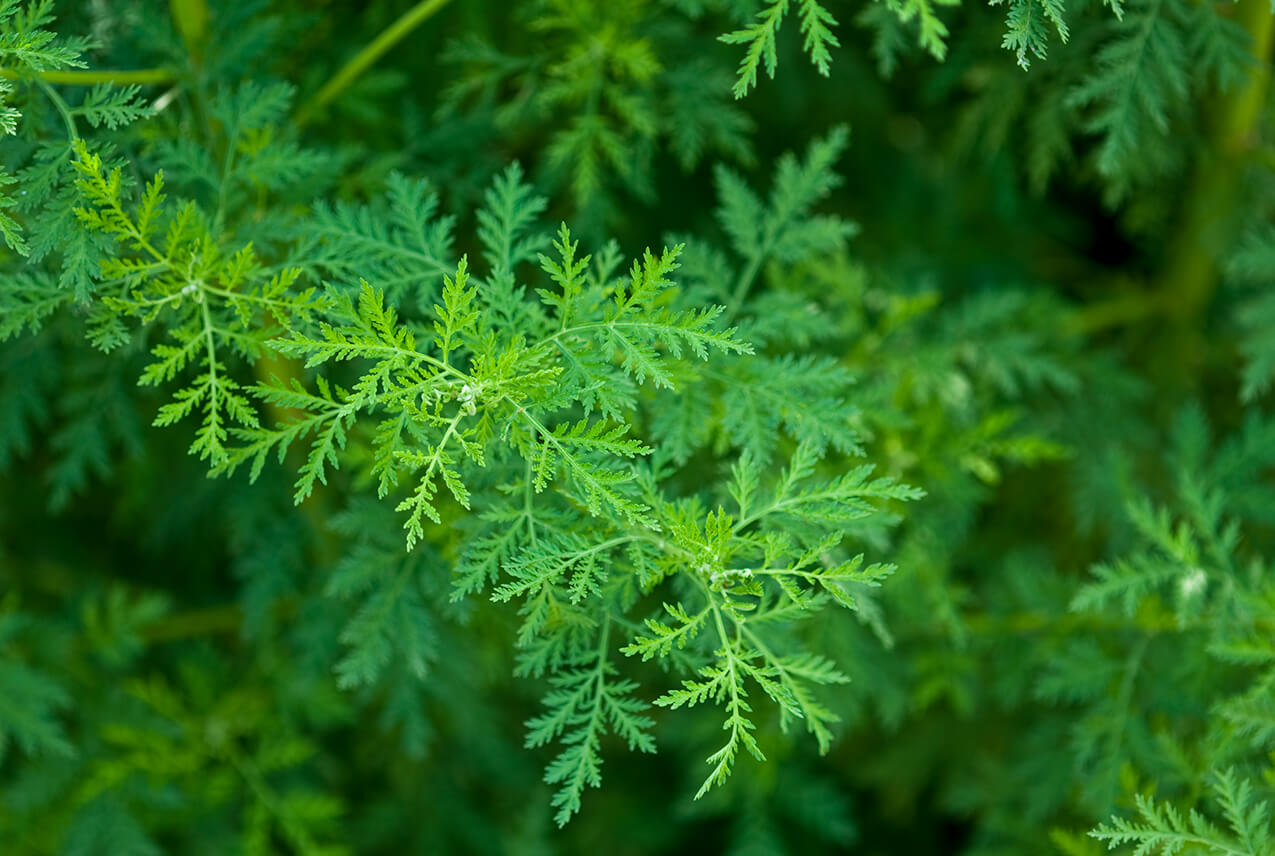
x: 528, y: 503
x: 365, y: 58
x: 1116, y: 311
x: 58, y: 104
x: 211, y: 343
x: 92, y: 77
x: 744, y: 283
x: 1191, y: 272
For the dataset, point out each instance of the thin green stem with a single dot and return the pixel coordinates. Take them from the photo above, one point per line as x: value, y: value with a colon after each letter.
x: 251, y: 298
x: 436, y: 459
x: 190, y: 17
x: 744, y: 283
x: 604, y: 643
x: 789, y: 501
x: 92, y: 77
x: 1191, y: 274
x: 214, y: 620
x: 1116, y: 312
x: 528, y: 495
x: 212, y: 369
x: 61, y: 106
x: 367, y: 57
x: 227, y: 166
x: 1124, y: 700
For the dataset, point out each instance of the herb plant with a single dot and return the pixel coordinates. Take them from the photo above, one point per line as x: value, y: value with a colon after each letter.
x: 589, y: 426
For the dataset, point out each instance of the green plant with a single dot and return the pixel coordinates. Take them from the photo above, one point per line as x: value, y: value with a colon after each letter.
x: 911, y: 495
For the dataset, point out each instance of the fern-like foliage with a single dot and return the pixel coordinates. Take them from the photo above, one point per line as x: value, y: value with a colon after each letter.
x: 1028, y: 25
x: 760, y: 398
x: 1250, y: 267
x: 27, y: 49
x: 1136, y: 82
x: 399, y: 242
x: 176, y: 737
x: 1189, y: 575
x: 773, y: 557
x: 1162, y: 829
x: 626, y: 83
x: 440, y: 406
x: 544, y: 391
x: 816, y: 28
x: 39, y: 219
x: 585, y: 702
x: 657, y: 463
x: 172, y: 265
x: 32, y: 699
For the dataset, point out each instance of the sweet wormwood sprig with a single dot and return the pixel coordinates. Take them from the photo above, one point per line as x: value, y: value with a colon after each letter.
x: 486, y: 390
x: 1029, y: 26
x: 504, y: 379
x: 484, y: 380
x: 211, y: 304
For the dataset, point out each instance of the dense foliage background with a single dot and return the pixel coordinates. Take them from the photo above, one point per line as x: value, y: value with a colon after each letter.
x: 907, y: 426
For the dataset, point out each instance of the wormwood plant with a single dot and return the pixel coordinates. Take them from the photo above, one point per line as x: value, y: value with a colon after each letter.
x: 903, y: 496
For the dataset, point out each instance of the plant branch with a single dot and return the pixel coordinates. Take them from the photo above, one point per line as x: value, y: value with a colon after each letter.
x: 367, y: 57
x: 92, y: 77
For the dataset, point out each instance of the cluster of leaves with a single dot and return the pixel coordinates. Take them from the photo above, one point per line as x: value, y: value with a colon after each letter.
x: 859, y: 475
x: 620, y: 80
